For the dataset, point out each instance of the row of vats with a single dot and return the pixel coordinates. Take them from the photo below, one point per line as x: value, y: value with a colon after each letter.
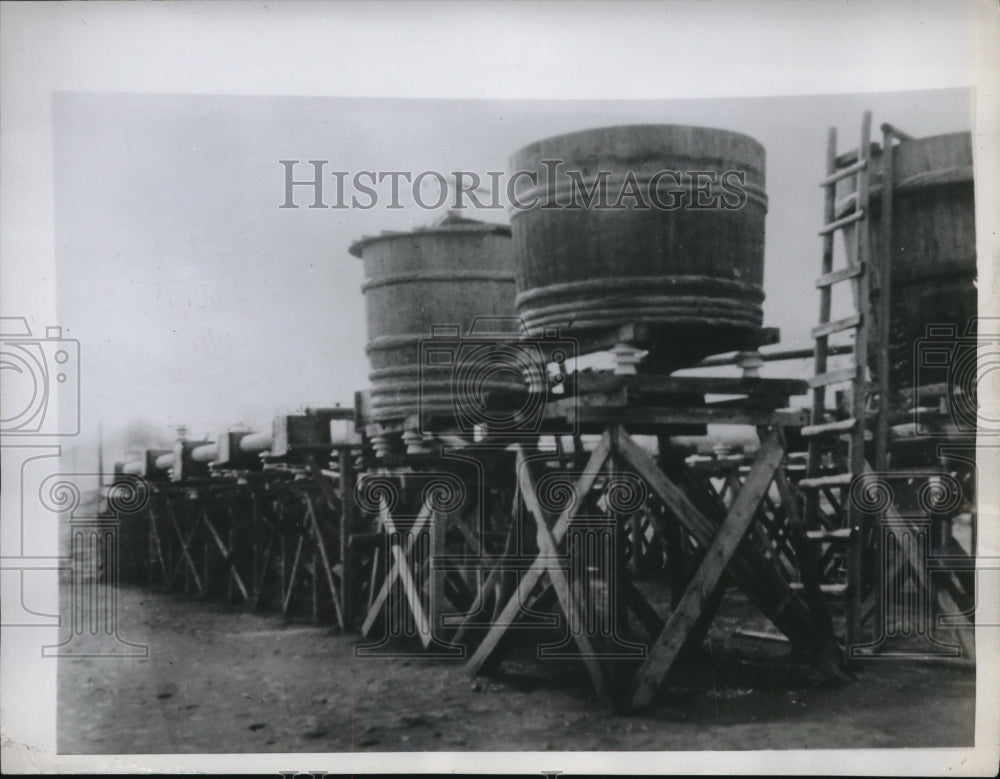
x: 484, y: 482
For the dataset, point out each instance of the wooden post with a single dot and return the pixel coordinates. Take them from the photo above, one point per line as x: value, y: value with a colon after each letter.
x: 393, y: 572
x: 347, y: 519
x: 439, y: 532
x: 859, y: 397
x: 486, y: 650
x: 883, y: 266
x: 548, y: 548
x: 757, y: 576
x: 814, y: 462
x: 700, y: 589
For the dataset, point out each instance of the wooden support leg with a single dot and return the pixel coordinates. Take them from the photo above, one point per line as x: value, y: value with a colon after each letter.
x: 347, y: 514
x: 677, y: 562
x: 265, y: 562
x: 547, y: 546
x: 809, y: 564
x: 436, y: 602
x: 205, y: 551
x: 185, y: 554
x: 327, y: 568
x: 289, y: 587
x: 706, y: 578
x: 394, y: 571
x: 155, y: 537
x: 757, y: 576
x: 234, y: 575
x: 485, y: 653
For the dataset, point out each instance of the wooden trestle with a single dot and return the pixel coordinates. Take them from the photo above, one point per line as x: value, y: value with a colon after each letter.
x: 439, y: 517
x: 635, y: 503
x: 275, y: 538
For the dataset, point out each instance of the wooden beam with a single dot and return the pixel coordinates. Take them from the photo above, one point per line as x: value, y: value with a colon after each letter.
x: 393, y: 572
x: 648, y: 386
x: 657, y: 417
x: 532, y: 576
x: 548, y: 547
x: 327, y: 569
x: 184, y: 550
x: 805, y: 553
x: 155, y: 534
x: 287, y: 601
x: 756, y: 575
x: 651, y: 621
x: 406, y: 577
x: 227, y: 557
x: 701, y: 587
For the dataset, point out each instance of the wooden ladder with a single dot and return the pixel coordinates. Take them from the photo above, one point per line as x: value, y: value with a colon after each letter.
x: 852, y: 210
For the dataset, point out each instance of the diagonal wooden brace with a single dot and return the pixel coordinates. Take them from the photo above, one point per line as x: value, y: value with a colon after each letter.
x: 701, y: 587
x: 401, y: 567
x: 394, y: 571
x: 327, y: 570
x: 753, y: 572
x: 290, y: 587
x: 488, y: 648
x: 227, y: 557
x: 155, y: 535
x: 548, y: 549
x: 185, y: 555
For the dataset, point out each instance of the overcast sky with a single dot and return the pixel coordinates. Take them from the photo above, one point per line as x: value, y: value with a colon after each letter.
x: 198, y: 301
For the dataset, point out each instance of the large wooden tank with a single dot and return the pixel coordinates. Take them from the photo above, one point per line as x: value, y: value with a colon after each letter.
x: 439, y: 281
x: 685, y: 256
x: 933, y: 245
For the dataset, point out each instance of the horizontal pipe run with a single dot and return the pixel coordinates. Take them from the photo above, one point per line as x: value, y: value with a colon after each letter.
x: 776, y: 356
x: 165, y: 461
x: 205, y: 454
x: 255, y: 443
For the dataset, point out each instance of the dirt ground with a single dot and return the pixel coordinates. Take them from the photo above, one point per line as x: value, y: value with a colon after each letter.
x: 221, y: 680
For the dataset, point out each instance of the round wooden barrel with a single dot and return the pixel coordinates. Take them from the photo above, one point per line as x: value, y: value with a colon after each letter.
x: 435, y: 284
x: 658, y: 225
x: 933, y: 245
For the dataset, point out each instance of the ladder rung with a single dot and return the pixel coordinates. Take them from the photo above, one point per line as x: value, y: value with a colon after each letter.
x: 833, y: 377
x: 840, y: 426
x: 836, y: 326
x: 840, y: 534
x: 843, y: 173
x: 829, y: 279
x: 833, y: 226
x: 844, y: 202
x: 827, y: 589
x: 834, y: 480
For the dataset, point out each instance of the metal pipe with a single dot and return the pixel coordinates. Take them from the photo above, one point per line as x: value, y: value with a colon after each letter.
x: 165, y: 461
x: 205, y: 454
x: 255, y: 443
x: 776, y: 356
